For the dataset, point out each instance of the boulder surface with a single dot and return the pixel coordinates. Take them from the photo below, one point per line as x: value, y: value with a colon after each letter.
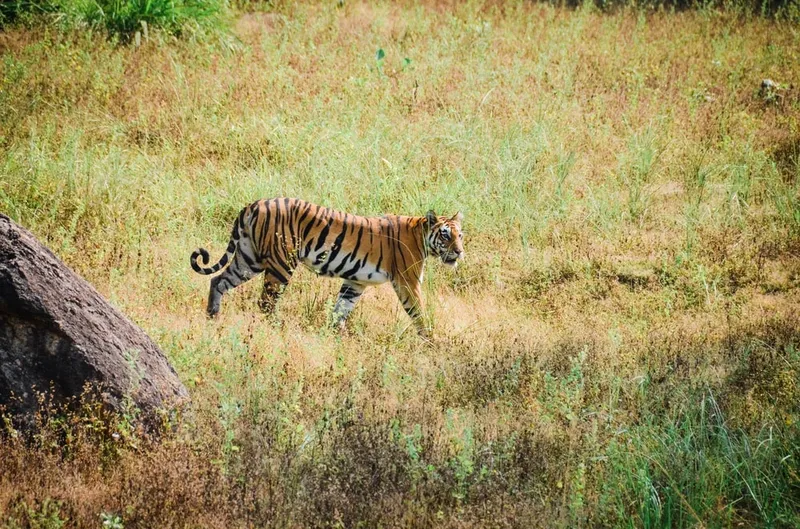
x: 58, y: 335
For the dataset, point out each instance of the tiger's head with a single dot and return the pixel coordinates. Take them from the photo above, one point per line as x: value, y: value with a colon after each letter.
x: 444, y: 238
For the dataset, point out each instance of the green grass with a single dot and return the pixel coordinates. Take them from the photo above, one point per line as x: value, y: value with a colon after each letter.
x: 620, y: 348
x: 122, y: 18
x: 696, y: 469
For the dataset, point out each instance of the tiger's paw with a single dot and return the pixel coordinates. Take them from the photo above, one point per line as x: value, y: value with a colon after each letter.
x: 426, y: 335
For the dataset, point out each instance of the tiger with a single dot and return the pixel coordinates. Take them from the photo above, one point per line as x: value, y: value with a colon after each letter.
x: 274, y: 236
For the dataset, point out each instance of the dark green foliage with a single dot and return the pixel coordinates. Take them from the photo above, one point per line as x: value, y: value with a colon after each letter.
x: 16, y: 10
x: 120, y: 17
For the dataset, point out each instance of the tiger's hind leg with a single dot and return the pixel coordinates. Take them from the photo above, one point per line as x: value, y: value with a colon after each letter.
x: 349, y: 295
x: 237, y: 273
x: 274, y: 283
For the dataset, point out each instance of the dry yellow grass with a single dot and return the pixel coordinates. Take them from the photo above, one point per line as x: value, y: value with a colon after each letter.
x: 620, y: 348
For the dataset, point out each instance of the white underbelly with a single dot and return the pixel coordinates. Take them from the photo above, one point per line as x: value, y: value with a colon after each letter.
x: 343, y: 268
x: 371, y: 277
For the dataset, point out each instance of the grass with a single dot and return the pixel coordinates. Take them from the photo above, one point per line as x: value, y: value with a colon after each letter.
x: 619, y: 349
x: 119, y: 18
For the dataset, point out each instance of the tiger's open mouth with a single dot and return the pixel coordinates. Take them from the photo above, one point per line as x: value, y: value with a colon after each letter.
x: 450, y: 261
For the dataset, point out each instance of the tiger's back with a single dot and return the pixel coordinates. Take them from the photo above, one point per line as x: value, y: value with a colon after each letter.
x: 333, y: 243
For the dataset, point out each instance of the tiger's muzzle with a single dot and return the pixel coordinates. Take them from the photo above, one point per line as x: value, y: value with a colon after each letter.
x: 452, y: 258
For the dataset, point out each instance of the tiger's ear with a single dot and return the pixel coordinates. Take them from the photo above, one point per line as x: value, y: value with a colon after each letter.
x: 458, y: 217
x: 432, y: 218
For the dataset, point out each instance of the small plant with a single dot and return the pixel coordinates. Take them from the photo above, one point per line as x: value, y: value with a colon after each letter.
x: 380, y: 57
x: 641, y: 159
x: 111, y: 521
x: 46, y: 515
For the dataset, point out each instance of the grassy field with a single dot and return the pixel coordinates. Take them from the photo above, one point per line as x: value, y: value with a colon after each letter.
x: 620, y: 348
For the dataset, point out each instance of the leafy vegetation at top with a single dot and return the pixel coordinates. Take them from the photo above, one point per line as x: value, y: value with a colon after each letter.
x: 126, y: 17
x: 118, y: 17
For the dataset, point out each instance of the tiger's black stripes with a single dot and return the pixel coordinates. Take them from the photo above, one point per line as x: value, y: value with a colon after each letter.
x: 273, y: 236
x: 201, y: 252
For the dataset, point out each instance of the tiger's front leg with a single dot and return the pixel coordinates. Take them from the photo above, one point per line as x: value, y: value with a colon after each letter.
x: 349, y: 295
x: 411, y: 298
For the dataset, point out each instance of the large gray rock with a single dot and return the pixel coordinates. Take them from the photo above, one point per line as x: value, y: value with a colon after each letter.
x: 58, y: 334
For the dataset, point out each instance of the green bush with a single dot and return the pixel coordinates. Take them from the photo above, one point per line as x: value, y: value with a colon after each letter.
x: 119, y: 17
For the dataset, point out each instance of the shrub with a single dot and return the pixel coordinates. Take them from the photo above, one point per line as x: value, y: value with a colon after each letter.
x: 118, y: 17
